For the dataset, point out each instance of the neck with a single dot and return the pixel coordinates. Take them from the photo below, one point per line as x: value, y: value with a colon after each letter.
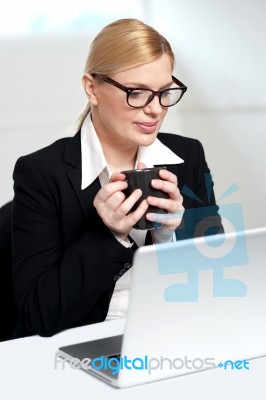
x: 119, y: 159
x: 119, y: 155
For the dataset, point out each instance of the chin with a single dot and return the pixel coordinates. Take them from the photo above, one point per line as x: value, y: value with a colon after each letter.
x: 147, y: 139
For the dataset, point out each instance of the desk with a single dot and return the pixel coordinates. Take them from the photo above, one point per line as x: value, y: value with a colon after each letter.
x: 27, y: 372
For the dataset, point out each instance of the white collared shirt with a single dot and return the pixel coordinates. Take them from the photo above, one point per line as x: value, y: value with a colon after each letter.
x: 93, y: 165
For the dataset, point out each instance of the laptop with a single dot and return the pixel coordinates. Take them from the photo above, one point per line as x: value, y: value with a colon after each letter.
x: 194, y: 304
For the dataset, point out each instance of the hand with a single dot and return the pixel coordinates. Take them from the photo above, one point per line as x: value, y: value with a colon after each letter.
x: 174, y: 205
x: 114, y: 208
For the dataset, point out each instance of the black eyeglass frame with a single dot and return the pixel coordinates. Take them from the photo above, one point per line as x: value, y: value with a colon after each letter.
x: 158, y: 93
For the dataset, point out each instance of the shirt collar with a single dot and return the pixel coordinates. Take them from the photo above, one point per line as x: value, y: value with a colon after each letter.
x: 93, y: 161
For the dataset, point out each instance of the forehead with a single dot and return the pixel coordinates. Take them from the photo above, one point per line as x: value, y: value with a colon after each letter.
x: 157, y: 72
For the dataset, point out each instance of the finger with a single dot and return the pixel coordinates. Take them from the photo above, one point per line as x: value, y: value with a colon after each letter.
x: 117, y: 176
x: 114, y: 201
x: 166, y: 221
x: 168, y: 176
x: 106, y: 191
x: 167, y: 187
x: 165, y: 218
x: 170, y: 205
x: 141, y: 165
x: 127, y: 205
x: 135, y: 216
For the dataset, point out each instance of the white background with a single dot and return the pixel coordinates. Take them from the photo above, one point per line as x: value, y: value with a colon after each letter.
x: 220, y: 55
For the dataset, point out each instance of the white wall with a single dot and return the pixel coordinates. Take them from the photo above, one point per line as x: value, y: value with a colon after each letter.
x: 40, y: 95
x: 220, y: 55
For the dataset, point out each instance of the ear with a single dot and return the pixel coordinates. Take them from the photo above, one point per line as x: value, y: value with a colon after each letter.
x: 90, y: 88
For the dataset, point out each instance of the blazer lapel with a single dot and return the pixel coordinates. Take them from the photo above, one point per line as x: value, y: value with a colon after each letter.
x: 72, y: 156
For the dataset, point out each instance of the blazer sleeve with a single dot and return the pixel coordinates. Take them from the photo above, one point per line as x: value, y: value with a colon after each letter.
x: 55, y: 287
x: 201, y: 217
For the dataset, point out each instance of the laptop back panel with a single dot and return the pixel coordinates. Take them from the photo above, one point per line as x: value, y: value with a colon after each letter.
x: 195, y: 304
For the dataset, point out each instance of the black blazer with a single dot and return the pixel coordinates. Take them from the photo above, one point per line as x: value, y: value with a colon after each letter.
x: 8, y: 313
x: 65, y: 260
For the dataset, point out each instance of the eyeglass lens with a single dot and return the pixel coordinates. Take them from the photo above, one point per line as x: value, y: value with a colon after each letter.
x: 140, y: 98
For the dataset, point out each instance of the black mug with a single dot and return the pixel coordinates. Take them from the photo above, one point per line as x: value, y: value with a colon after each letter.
x: 141, y: 179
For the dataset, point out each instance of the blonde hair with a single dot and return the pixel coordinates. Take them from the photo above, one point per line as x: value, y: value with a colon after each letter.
x: 123, y: 43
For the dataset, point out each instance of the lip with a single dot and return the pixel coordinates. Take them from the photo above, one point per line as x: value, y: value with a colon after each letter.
x: 147, y: 127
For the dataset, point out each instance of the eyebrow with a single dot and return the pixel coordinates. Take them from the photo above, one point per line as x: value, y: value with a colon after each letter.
x: 144, y: 86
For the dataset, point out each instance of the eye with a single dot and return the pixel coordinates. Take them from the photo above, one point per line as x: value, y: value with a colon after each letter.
x: 136, y: 94
x: 166, y: 93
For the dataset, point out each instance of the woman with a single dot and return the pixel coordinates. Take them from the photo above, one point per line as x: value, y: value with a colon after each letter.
x: 73, y: 235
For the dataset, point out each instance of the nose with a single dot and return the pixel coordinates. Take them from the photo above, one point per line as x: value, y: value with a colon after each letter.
x: 154, y: 107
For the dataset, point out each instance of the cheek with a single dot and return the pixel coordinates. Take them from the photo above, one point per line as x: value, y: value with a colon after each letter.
x: 123, y: 114
x: 111, y: 107
x: 165, y: 111
x: 116, y: 117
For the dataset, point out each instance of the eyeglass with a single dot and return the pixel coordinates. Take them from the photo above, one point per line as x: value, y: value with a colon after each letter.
x: 139, y: 97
